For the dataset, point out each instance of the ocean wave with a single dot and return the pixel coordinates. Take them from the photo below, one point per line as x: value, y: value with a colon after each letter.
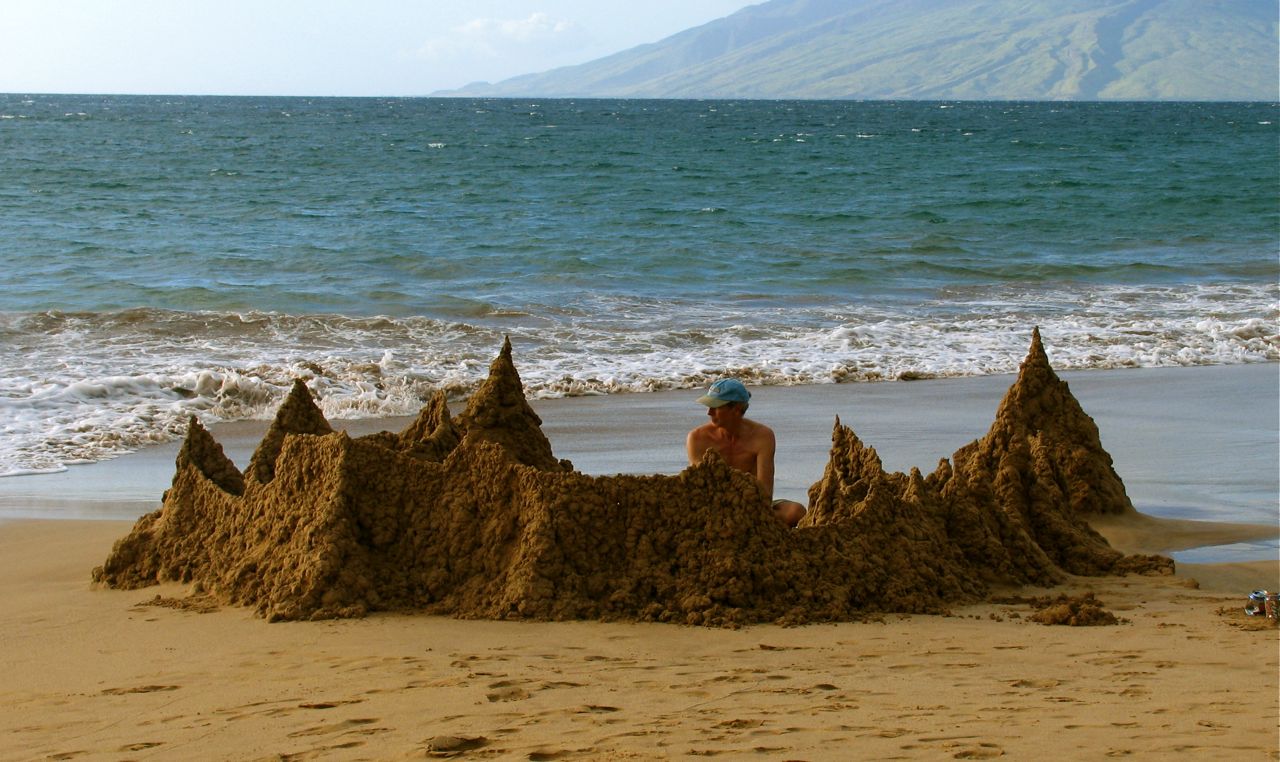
x: 80, y: 387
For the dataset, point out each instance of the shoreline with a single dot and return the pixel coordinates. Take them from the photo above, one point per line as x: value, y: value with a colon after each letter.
x: 1214, y: 465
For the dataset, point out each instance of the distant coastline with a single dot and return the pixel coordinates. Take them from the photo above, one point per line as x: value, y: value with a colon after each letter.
x: 1102, y: 50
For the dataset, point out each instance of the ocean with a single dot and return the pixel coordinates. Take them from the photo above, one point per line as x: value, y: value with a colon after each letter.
x: 171, y: 256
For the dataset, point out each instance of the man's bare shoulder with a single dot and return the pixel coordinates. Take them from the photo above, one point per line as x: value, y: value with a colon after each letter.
x: 705, y: 431
x: 759, y: 431
x: 701, y: 439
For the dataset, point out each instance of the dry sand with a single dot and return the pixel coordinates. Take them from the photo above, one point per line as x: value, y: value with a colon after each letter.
x: 108, y: 674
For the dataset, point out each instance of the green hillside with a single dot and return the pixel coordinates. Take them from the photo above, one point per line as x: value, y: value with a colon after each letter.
x: 945, y: 49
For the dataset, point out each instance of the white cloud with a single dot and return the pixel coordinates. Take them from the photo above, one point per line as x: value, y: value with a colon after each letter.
x: 491, y: 38
x: 537, y: 26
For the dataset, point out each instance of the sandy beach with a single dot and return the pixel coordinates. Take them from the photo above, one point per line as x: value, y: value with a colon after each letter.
x: 157, y: 674
x: 105, y: 674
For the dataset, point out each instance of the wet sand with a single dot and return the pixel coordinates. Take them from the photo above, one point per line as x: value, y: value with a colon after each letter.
x: 1200, y: 444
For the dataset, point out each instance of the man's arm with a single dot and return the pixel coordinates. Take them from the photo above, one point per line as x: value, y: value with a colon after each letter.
x: 695, y: 446
x: 767, y: 443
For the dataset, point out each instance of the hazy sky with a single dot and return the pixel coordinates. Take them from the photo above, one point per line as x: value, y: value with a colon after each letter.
x: 318, y: 47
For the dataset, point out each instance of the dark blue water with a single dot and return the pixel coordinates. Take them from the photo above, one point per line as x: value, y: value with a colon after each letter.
x: 395, y: 206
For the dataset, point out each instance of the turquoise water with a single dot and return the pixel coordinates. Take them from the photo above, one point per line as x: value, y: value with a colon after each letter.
x: 456, y: 209
x: 169, y: 255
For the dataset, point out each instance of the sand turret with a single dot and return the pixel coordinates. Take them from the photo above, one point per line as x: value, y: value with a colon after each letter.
x: 433, y: 435
x: 298, y: 415
x: 1039, y: 472
x: 498, y: 412
x: 200, y: 450
x: 1040, y: 408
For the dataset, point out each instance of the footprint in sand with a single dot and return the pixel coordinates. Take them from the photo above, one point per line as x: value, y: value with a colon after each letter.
x: 981, y: 751
x: 337, y: 727
x: 1038, y: 684
x: 549, y: 756
x: 739, y: 724
x: 139, y: 689
x: 448, y: 746
x: 329, y: 704
x: 596, y: 709
x: 504, y: 690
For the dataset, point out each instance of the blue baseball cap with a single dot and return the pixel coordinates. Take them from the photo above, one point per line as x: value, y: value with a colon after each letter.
x: 724, y: 391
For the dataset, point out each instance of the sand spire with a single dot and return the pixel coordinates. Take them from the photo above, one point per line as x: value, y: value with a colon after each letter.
x: 201, y: 451
x: 433, y: 435
x: 298, y: 415
x: 498, y: 412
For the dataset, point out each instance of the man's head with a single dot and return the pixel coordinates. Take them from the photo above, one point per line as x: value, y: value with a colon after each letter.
x: 726, y: 391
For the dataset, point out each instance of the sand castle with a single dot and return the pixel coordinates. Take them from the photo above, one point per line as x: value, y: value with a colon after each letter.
x: 474, y: 516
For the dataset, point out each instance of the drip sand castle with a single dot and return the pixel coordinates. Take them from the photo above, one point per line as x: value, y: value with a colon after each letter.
x: 475, y: 517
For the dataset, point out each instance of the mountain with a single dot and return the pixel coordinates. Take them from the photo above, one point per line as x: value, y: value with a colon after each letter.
x: 944, y: 50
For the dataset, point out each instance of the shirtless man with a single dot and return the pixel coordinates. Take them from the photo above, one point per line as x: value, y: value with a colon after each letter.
x: 743, y: 443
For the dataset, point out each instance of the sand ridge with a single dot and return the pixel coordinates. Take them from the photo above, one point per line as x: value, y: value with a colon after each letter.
x: 475, y: 517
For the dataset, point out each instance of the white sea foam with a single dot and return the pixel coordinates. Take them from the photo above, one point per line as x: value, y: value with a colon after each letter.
x: 79, y: 388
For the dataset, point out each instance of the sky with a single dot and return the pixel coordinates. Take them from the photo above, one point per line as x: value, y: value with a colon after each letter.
x: 318, y: 47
